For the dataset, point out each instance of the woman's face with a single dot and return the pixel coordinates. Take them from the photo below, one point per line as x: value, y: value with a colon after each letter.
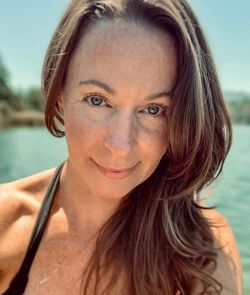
x: 115, y: 103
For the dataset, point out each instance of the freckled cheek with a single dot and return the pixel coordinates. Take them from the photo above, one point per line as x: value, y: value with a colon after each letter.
x: 156, y: 145
x: 83, y: 128
x: 156, y: 137
x: 153, y: 146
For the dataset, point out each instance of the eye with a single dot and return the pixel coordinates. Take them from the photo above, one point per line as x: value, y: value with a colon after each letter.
x: 156, y: 110
x: 95, y: 100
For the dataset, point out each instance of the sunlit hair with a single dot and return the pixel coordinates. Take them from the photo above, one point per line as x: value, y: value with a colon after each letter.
x: 158, y: 241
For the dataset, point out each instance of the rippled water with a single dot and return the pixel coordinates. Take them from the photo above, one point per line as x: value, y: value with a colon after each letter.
x: 24, y: 151
x: 232, y: 195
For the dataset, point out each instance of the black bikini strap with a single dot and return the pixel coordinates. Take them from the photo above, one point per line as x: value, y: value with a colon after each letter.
x: 19, y: 282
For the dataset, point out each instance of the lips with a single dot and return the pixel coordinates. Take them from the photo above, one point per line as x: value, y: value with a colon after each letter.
x: 115, y: 173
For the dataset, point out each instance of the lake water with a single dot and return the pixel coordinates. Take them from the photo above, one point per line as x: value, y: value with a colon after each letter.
x: 24, y: 151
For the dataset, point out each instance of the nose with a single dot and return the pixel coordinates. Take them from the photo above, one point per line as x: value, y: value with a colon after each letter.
x: 121, y: 136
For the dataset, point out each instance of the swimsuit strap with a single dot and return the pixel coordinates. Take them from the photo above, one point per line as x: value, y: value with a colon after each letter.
x: 20, y: 280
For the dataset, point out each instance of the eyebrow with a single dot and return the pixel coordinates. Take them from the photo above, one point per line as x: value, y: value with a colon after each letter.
x: 98, y: 84
x: 110, y: 90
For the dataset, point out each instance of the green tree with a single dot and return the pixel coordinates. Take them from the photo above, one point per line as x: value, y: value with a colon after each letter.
x: 6, y: 94
x: 33, y: 98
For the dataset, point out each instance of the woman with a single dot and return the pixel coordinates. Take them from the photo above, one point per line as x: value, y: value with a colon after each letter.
x: 133, y: 87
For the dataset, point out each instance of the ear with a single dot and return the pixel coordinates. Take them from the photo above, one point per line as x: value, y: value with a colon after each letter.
x: 59, y: 103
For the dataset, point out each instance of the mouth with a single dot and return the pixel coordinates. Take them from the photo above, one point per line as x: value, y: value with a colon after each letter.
x: 115, y: 173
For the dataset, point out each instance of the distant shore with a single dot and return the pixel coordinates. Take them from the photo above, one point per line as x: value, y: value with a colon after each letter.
x: 21, y: 118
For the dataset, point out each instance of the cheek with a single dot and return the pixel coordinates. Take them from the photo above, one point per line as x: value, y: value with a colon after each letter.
x: 155, y: 133
x: 154, y: 146
x: 82, y: 129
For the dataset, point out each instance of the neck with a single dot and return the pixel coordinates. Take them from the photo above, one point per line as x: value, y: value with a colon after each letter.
x: 83, y: 209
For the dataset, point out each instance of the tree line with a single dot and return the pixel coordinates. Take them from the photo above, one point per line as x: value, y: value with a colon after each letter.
x: 16, y: 99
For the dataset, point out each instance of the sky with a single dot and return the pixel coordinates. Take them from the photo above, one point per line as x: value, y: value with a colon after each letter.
x: 26, y: 27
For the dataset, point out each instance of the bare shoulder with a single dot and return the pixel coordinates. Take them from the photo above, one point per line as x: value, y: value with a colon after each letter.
x: 228, y: 272
x: 19, y: 205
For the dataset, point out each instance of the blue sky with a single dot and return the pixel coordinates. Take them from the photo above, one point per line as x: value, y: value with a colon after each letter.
x: 26, y: 27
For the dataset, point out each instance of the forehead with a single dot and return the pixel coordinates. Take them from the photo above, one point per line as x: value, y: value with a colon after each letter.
x: 122, y: 51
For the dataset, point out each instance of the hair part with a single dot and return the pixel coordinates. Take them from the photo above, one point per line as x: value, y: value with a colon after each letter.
x: 148, y: 238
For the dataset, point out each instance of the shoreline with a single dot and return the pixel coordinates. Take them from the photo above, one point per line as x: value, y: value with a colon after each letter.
x: 22, y: 118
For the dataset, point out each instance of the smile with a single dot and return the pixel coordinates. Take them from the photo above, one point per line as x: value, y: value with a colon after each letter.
x: 115, y: 173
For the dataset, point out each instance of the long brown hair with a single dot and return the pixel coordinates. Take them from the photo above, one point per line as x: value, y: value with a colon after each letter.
x: 158, y: 238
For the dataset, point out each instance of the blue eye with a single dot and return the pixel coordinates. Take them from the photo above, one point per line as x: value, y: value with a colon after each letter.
x: 156, y: 110
x: 153, y: 110
x: 95, y: 100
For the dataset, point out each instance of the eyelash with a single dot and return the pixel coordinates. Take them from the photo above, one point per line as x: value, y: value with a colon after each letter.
x: 162, y: 113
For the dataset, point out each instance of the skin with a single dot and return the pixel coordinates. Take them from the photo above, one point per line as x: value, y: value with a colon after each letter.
x: 120, y: 133
x: 123, y: 131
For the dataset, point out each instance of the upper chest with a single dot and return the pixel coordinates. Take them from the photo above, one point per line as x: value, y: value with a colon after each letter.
x: 59, y: 270
x: 58, y: 267
x: 60, y: 261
